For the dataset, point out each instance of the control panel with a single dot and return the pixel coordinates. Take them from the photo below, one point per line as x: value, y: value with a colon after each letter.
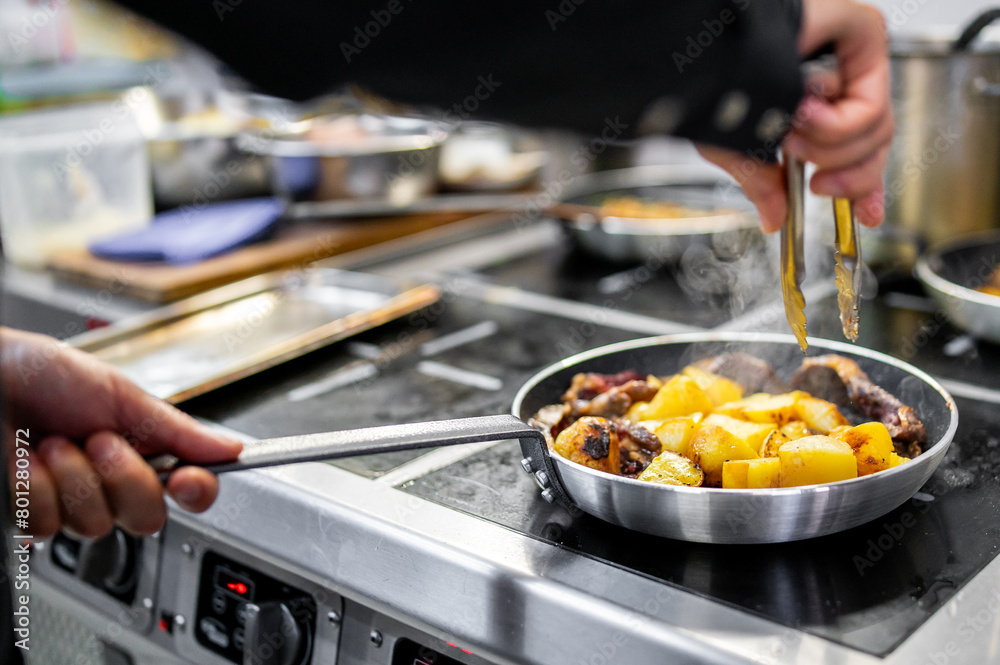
x: 249, y: 617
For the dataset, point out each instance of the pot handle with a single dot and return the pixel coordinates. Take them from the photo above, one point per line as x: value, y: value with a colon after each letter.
x: 974, y: 28
x: 388, y: 438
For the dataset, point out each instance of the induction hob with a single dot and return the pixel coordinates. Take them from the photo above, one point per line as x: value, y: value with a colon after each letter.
x: 868, y: 588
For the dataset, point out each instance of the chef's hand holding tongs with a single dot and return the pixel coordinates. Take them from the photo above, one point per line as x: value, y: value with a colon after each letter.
x: 844, y: 126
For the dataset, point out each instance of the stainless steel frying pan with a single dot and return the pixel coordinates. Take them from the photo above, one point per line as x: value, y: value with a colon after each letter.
x: 951, y: 274
x: 687, y: 513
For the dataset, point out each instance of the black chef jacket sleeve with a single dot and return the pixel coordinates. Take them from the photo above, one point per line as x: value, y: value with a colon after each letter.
x: 718, y: 71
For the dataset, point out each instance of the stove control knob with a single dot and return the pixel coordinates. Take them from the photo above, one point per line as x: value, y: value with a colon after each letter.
x: 277, y: 633
x: 549, y: 495
x: 108, y: 562
x: 528, y: 465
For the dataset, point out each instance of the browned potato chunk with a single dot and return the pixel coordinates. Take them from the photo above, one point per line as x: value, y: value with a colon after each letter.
x: 820, y: 415
x: 592, y: 442
x: 764, y: 408
x: 773, y: 442
x: 711, y: 446
x: 669, y: 468
x: 872, y: 446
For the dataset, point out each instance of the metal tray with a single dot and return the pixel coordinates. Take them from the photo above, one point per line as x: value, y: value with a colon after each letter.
x: 951, y: 273
x: 731, y: 221
x: 213, y: 339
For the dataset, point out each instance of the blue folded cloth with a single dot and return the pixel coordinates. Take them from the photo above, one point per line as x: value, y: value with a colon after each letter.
x: 188, y: 235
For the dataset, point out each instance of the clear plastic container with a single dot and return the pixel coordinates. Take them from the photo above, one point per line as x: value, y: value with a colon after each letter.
x: 69, y: 175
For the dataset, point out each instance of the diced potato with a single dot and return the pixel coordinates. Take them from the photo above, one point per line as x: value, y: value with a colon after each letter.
x: 675, y: 433
x: 773, y: 442
x: 819, y: 414
x: 872, y: 446
x: 679, y: 396
x: 813, y: 460
x: 669, y: 468
x: 896, y: 460
x: 796, y: 430
x: 751, y: 473
x: 718, y: 388
x: 763, y: 408
x: 752, y: 434
x: 734, y: 474
x: 764, y: 472
x: 591, y: 442
x: 711, y: 446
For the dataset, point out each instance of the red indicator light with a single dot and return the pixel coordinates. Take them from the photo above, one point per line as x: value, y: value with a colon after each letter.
x: 238, y: 587
x: 163, y: 625
x: 459, y: 648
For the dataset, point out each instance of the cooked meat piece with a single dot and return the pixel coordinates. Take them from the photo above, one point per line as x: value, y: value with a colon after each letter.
x: 823, y: 381
x: 753, y: 374
x: 646, y: 439
x: 873, y: 401
x: 550, y: 420
x: 616, y: 400
x: 592, y: 442
x: 638, y: 447
x: 589, y: 385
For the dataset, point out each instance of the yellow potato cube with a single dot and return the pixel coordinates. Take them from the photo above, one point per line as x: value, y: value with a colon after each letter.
x: 718, y: 388
x: 872, y: 446
x: 675, y: 433
x: 763, y: 473
x: 669, y: 468
x: 734, y: 474
x: 751, y: 473
x: 764, y: 408
x: 814, y: 460
x: 819, y: 414
x: 896, y: 460
x: 679, y: 396
x: 752, y: 434
x: 711, y: 446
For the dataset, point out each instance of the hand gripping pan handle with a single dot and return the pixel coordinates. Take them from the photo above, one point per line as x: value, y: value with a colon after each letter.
x: 388, y: 438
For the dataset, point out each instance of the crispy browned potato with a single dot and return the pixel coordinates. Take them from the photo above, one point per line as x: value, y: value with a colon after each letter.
x: 592, y: 442
x: 669, y: 468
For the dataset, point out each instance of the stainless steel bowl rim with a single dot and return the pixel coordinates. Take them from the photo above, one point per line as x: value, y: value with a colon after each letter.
x: 931, y: 455
x: 931, y: 278
x: 681, y: 226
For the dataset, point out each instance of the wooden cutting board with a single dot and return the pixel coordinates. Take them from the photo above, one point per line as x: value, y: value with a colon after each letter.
x: 294, y: 245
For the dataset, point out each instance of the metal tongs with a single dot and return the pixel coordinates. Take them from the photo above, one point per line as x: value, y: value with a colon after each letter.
x: 847, y: 257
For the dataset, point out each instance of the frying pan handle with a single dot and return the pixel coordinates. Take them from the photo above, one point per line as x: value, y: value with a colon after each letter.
x: 369, y: 441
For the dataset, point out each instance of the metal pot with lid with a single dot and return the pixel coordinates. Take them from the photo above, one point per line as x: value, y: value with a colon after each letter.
x: 943, y: 176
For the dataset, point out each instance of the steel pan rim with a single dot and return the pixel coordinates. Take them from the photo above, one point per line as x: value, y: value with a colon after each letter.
x: 931, y: 457
x: 934, y: 281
